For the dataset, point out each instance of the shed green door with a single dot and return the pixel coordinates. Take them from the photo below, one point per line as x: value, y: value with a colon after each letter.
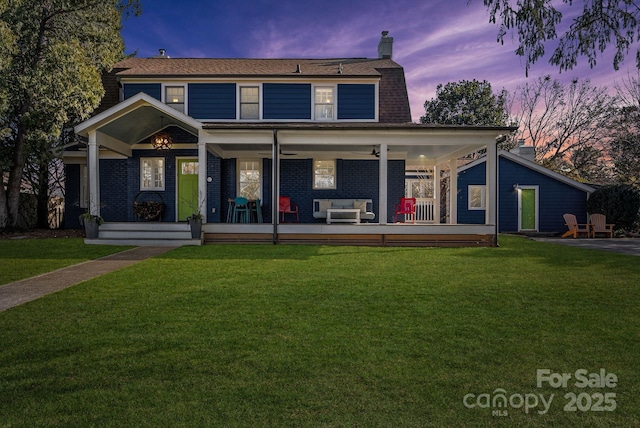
x: 187, y: 188
x: 528, y: 209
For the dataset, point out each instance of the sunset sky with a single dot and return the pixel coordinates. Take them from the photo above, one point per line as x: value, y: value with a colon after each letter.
x: 436, y: 41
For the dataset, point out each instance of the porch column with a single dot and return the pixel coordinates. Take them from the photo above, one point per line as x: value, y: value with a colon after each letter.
x: 453, y: 191
x: 436, y: 194
x: 382, y: 197
x: 492, y: 184
x: 202, y: 179
x: 93, y: 171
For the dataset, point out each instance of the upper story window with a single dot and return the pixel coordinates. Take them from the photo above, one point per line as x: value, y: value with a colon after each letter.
x: 249, y: 102
x: 324, y: 103
x: 151, y: 173
x: 174, y: 97
x: 249, y: 178
x: 324, y: 174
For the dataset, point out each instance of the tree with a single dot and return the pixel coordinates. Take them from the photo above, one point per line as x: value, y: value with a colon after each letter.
x: 598, y: 25
x: 53, y: 54
x: 466, y: 103
x: 620, y: 203
x: 567, y: 124
x: 625, y: 141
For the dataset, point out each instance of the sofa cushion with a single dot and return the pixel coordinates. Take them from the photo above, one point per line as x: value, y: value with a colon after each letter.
x: 361, y: 205
x: 324, y: 205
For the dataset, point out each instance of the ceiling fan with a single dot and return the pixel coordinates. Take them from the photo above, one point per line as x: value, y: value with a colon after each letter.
x: 374, y: 152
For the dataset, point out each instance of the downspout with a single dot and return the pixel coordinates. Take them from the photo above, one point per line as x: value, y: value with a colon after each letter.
x: 275, y: 186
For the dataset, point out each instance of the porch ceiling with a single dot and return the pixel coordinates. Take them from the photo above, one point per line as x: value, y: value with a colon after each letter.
x: 426, y: 146
x: 134, y: 120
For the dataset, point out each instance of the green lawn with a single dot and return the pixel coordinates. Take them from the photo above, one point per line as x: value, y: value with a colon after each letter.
x: 329, y: 336
x: 24, y: 258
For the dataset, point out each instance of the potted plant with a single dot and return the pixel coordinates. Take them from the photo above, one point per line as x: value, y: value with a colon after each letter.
x: 91, y: 224
x: 195, y: 223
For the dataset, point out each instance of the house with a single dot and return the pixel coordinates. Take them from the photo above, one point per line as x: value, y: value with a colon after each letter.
x: 531, y: 198
x: 190, y: 135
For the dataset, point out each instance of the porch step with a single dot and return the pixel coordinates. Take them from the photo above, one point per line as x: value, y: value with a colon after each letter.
x: 145, y: 234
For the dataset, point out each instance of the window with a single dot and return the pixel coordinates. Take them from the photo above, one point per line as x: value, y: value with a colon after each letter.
x: 249, y: 102
x: 476, y: 197
x: 174, y: 97
x: 324, y: 174
x: 323, y: 103
x: 249, y: 173
x: 152, y: 174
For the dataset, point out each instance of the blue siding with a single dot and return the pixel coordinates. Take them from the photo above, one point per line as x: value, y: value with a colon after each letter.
x: 555, y: 198
x: 152, y: 89
x: 356, y: 101
x: 212, y: 100
x: 286, y: 101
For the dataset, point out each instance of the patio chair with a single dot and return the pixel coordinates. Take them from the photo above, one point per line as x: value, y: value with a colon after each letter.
x: 407, y: 208
x: 241, y: 208
x: 575, y: 229
x: 285, y: 206
x: 599, y: 225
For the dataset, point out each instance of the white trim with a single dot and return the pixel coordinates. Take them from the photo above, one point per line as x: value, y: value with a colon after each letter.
x: 130, y: 104
x: 537, y: 206
x: 534, y: 166
x: 334, y: 102
x: 483, y: 197
x: 313, y: 174
x: 239, y: 100
x: 153, y: 160
x: 185, y: 88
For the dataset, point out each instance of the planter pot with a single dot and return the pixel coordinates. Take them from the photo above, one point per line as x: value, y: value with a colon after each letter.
x: 91, y: 229
x: 196, y: 228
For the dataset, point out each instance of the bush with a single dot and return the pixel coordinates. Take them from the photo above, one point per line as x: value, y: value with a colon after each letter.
x: 620, y: 203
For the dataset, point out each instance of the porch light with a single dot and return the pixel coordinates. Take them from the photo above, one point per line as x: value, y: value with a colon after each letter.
x: 161, y: 140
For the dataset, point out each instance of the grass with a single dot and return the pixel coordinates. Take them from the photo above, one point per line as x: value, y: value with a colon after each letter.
x: 24, y: 258
x: 326, y: 336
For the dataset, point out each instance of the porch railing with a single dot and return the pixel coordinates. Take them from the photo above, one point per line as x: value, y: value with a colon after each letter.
x: 425, y: 210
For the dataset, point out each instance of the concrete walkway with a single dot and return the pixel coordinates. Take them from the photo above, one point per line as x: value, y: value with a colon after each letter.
x: 629, y: 246
x: 26, y: 290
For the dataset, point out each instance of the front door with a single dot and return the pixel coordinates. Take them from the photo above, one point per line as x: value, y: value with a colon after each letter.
x: 187, y: 188
x: 528, y: 208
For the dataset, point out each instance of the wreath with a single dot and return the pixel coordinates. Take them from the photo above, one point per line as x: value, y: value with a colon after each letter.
x: 146, y: 208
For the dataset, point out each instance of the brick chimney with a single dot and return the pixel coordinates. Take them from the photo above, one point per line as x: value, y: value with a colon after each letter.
x: 385, y: 46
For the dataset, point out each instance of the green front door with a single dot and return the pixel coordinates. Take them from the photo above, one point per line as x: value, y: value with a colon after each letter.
x: 187, y: 188
x: 528, y: 209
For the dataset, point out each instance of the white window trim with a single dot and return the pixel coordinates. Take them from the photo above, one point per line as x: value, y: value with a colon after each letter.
x: 259, y: 162
x: 335, y: 174
x: 238, y: 104
x: 483, y: 199
x: 334, y: 88
x: 184, y: 85
x: 164, y: 173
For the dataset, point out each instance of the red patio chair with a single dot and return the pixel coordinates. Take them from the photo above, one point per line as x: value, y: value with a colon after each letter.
x: 285, y: 206
x: 407, y: 208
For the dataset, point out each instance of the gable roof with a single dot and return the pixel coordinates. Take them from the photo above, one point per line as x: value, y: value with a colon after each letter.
x: 533, y: 166
x: 224, y: 67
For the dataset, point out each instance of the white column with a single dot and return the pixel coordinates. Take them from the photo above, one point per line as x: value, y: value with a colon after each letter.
x: 492, y: 183
x: 436, y: 194
x: 202, y: 179
x: 382, y: 197
x: 93, y: 171
x: 453, y: 191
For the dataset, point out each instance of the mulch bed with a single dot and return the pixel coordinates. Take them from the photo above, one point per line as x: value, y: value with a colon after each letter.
x: 43, y: 233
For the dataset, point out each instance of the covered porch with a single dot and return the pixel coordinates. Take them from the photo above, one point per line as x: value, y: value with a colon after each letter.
x: 371, y: 160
